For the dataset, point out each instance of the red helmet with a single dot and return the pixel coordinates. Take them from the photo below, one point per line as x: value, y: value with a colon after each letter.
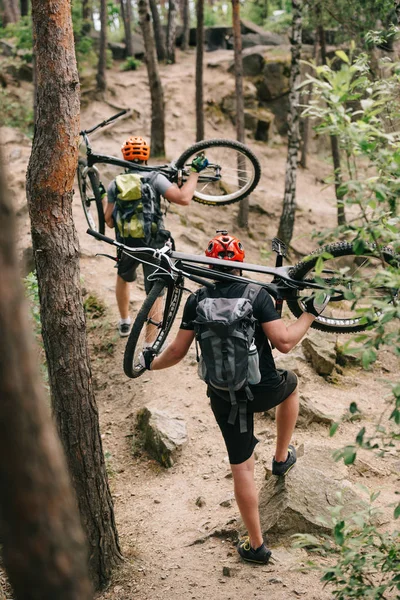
x: 135, y: 148
x: 226, y: 247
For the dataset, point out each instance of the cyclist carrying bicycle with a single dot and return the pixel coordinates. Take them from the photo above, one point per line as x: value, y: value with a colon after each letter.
x: 276, y: 388
x: 134, y: 210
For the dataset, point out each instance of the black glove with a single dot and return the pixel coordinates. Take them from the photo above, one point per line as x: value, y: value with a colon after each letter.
x: 146, y: 357
x: 316, y: 307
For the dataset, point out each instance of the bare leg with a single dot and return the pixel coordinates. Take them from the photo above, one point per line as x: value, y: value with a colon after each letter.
x: 286, y: 417
x: 156, y: 316
x: 122, y: 293
x: 247, y: 499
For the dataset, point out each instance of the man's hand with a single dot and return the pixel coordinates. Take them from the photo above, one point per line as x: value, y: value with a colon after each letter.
x: 316, y: 306
x: 199, y: 163
x: 146, y: 357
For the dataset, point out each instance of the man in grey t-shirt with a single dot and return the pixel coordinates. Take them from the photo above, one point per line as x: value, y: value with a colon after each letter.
x: 137, y: 150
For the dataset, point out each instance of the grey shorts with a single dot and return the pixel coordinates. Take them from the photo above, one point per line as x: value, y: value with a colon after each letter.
x: 240, y: 446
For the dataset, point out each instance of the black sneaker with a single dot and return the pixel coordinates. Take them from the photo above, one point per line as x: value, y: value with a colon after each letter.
x: 260, y: 556
x: 282, y: 468
x: 124, y: 329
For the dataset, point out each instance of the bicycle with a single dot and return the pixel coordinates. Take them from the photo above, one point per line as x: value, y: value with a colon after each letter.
x: 336, y: 268
x: 232, y: 173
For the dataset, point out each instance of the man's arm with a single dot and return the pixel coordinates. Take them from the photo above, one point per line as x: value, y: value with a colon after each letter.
x: 175, y: 351
x: 182, y: 195
x: 285, y: 338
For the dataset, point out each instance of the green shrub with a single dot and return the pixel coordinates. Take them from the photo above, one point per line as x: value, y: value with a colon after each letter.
x: 131, y: 64
x: 15, y: 113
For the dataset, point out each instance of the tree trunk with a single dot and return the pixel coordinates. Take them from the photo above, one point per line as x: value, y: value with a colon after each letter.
x: 243, y: 214
x: 397, y: 9
x: 126, y: 13
x: 156, y: 89
x: 24, y: 6
x: 185, y: 24
x: 86, y: 17
x: 158, y: 32
x: 101, y: 67
x: 43, y: 545
x: 50, y: 180
x: 199, y: 70
x: 11, y: 12
x: 286, y: 223
x: 171, y: 31
x: 341, y: 216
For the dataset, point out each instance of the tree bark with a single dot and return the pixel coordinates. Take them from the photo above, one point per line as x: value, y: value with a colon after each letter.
x: 171, y: 31
x: 341, y: 216
x: 286, y: 223
x: 126, y: 13
x: 50, y: 179
x: 101, y: 67
x: 185, y: 24
x: 156, y: 89
x: 11, y: 12
x: 43, y: 545
x: 24, y: 7
x: 397, y: 9
x: 199, y: 70
x: 243, y: 214
x: 158, y: 32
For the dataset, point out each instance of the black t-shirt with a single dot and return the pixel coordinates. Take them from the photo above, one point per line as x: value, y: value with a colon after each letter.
x: 263, y: 310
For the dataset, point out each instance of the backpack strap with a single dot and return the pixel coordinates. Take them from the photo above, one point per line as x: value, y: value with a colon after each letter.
x: 251, y: 292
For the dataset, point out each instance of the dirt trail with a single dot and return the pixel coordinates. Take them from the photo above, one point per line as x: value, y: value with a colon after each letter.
x: 157, y: 516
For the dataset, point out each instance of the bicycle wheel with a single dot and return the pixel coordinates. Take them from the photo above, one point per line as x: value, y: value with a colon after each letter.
x: 232, y: 174
x: 90, y: 197
x: 152, y: 325
x: 355, y: 276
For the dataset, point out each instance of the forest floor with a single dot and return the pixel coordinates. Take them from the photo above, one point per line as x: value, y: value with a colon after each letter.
x: 159, y: 522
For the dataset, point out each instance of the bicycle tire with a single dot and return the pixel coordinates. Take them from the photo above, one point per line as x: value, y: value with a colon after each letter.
x: 227, y: 194
x: 131, y: 367
x: 90, y: 193
x: 336, y: 322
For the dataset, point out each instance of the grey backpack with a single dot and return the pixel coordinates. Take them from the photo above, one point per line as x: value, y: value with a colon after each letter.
x: 229, y: 359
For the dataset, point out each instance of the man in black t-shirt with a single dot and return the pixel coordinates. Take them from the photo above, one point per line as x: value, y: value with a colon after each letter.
x: 276, y: 388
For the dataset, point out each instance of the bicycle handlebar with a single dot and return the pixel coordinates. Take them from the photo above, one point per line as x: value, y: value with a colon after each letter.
x: 104, y: 123
x: 101, y: 237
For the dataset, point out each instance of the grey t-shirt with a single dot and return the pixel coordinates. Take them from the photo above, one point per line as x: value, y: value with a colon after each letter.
x: 160, y: 183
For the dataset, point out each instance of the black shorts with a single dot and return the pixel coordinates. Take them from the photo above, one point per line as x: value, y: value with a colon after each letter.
x: 240, y: 446
x: 127, y: 266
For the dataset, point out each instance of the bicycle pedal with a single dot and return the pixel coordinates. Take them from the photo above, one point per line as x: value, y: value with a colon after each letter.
x: 279, y: 247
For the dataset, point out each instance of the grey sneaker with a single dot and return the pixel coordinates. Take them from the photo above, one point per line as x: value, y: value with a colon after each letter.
x: 124, y: 329
x: 260, y: 556
x: 282, y: 468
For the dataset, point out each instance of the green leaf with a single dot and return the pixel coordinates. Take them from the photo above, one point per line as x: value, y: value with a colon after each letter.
x: 333, y: 429
x: 397, y: 512
x: 338, y: 533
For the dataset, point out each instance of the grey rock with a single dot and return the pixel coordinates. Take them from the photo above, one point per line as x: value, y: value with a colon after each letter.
x: 200, y: 501
x: 321, y: 352
x: 310, y: 413
x: 295, y: 503
x: 259, y: 121
x: 164, y: 434
x: 265, y: 38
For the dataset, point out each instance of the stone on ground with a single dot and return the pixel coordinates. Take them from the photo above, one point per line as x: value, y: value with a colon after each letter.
x: 164, y: 434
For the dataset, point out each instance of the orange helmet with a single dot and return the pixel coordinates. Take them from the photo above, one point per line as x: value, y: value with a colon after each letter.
x: 226, y: 247
x: 135, y: 148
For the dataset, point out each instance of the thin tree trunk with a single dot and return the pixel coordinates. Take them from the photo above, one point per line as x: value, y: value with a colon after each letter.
x: 397, y: 9
x: 11, y: 12
x: 286, y: 223
x: 306, y: 98
x: 126, y: 13
x: 243, y: 214
x: 158, y: 32
x: 24, y: 6
x: 341, y: 216
x: 156, y: 89
x: 55, y: 242
x: 199, y: 70
x: 86, y: 17
x: 101, y: 67
x: 43, y: 545
x: 171, y: 31
x: 185, y: 24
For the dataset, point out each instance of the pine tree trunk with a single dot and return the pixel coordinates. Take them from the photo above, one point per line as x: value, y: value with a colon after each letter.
x: 24, y: 7
x: 50, y: 179
x: 286, y: 223
x: 86, y: 17
x: 171, y: 31
x: 101, y: 67
x: 43, y: 545
x: 199, y: 70
x: 185, y: 24
x: 156, y: 89
x: 11, y: 12
x: 341, y: 216
x: 158, y: 32
x: 243, y: 214
x: 126, y: 14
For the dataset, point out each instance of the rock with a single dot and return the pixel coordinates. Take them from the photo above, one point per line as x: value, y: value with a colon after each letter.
x: 295, y: 503
x: 164, y: 434
x: 118, y: 50
x: 228, y: 102
x: 309, y: 413
x: 6, y: 48
x: 200, y: 501
x: 226, y: 571
x: 259, y: 121
x: 218, y: 37
x: 227, y: 503
x: 321, y: 352
x: 265, y: 38
x: 274, y: 81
